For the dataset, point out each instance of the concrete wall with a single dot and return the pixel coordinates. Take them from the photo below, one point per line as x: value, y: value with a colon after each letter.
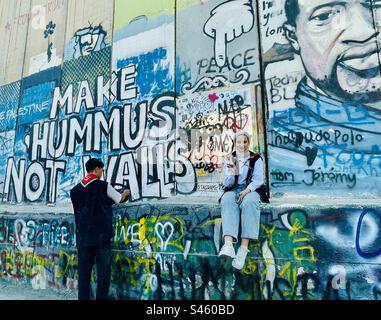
x: 158, y: 90
x: 333, y: 143
x: 166, y: 251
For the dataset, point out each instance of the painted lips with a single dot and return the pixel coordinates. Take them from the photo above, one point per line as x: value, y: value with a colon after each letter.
x: 366, y: 65
x: 362, y: 63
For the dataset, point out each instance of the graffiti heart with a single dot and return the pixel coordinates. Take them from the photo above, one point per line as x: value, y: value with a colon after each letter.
x: 164, y: 232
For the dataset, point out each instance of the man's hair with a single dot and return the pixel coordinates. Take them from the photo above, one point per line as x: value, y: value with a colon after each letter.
x: 292, y: 11
x: 93, y: 163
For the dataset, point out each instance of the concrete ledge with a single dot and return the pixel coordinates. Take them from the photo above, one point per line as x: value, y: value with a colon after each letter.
x: 290, y: 202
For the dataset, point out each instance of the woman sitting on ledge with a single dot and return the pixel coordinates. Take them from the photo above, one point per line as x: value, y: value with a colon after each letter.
x: 243, y: 175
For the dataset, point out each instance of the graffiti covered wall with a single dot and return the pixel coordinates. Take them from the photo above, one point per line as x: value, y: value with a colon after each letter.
x: 158, y: 91
x: 322, y: 71
x: 325, y: 121
x: 170, y: 252
x: 118, y: 86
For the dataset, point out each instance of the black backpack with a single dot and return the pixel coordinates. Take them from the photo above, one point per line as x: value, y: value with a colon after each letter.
x: 263, y: 190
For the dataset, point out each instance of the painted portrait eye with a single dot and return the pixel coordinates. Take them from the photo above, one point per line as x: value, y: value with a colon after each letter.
x: 325, y: 16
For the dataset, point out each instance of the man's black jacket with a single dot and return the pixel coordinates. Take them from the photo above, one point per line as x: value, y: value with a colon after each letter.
x: 93, y: 213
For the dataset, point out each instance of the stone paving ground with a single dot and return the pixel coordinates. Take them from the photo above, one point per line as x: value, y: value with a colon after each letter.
x: 12, y: 291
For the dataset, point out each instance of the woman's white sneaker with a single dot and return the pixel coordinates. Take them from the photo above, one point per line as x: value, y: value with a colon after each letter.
x: 227, y: 250
x: 240, y: 258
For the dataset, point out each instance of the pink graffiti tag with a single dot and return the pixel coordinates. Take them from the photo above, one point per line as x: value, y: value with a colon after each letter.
x: 213, y: 97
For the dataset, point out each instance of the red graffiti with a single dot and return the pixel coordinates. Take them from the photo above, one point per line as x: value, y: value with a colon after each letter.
x: 236, y: 122
x: 25, y: 18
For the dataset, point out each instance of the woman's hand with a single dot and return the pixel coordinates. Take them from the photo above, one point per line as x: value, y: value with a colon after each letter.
x: 242, y: 195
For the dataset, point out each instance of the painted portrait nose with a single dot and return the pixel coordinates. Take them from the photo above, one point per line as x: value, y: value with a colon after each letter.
x: 360, y: 25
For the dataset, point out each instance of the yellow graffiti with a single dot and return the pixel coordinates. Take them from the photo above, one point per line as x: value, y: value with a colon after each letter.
x: 294, y: 277
x: 269, y: 233
x: 250, y: 267
x: 71, y: 262
x: 284, y: 269
x: 142, y: 233
x: 201, y: 173
x: 211, y: 222
x: 24, y: 263
x: 298, y: 228
x: 146, y: 230
x: 309, y: 249
x: 301, y: 240
x: 291, y: 277
x: 134, y: 267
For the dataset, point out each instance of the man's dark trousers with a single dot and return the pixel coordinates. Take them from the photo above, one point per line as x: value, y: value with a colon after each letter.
x: 102, y: 257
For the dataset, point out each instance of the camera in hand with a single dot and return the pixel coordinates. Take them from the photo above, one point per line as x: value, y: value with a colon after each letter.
x: 121, y: 188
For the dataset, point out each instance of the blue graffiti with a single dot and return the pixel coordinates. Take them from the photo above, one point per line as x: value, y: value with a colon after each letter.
x: 36, y: 102
x: 154, y: 75
x: 355, y: 116
x: 9, y: 99
x: 371, y: 213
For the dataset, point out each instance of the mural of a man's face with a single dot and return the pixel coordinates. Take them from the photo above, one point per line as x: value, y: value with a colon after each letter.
x: 88, y: 40
x: 337, y: 42
x: 87, y: 43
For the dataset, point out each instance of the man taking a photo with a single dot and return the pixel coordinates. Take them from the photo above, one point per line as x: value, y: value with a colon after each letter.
x: 92, y: 199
